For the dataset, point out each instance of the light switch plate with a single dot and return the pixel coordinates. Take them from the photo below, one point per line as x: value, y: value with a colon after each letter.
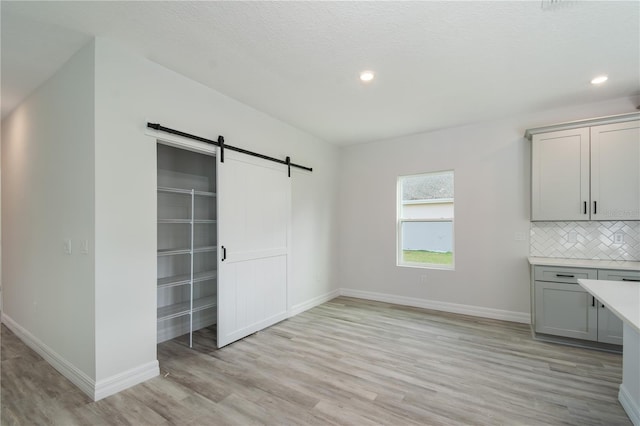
x: 618, y: 238
x: 67, y: 247
x: 520, y: 236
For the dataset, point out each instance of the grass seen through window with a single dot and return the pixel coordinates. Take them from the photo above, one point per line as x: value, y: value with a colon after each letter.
x: 429, y: 257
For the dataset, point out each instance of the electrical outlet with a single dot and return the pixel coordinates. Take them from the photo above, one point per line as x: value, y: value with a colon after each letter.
x: 618, y: 238
x: 572, y: 237
x: 84, y: 246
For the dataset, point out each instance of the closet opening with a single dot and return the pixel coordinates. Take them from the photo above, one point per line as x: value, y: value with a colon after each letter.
x: 187, y: 242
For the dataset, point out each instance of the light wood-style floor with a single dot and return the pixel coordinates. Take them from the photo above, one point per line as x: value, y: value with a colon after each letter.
x: 347, y: 362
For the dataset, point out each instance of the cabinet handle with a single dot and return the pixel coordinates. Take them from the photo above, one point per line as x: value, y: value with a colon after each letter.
x: 224, y: 253
x: 602, y: 305
x: 593, y: 301
x: 595, y: 207
x: 565, y: 276
x: 585, y: 207
x: 631, y: 279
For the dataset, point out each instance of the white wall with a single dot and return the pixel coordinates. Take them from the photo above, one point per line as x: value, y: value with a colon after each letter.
x: 1, y: 126
x: 47, y: 197
x: 77, y: 165
x: 315, y: 222
x: 130, y: 91
x: 492, y: 191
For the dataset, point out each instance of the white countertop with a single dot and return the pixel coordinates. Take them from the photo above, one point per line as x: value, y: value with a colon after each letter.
x: 620, y: 297
x: 621, y: 265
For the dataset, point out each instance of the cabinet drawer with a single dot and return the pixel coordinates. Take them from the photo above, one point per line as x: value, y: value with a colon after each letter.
x: 612, y: 275
x: 560, y: 274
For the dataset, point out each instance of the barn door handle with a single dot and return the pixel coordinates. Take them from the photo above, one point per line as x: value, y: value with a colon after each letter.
x: 630, y: 279
x: 224, y: 253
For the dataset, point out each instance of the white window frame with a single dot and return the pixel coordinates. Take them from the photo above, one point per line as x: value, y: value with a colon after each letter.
x: 400, y: 221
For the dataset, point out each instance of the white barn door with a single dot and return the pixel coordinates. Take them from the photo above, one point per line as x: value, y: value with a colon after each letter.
x: 254, y: 204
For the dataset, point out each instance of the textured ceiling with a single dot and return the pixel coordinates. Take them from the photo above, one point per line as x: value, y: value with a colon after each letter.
x: 438, y: 64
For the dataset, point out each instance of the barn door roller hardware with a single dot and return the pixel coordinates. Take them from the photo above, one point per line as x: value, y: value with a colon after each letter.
x: 221, y: 143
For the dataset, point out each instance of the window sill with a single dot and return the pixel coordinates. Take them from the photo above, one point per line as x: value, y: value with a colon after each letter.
x: 427, y: 266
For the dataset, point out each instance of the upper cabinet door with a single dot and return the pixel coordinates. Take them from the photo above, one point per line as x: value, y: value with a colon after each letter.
x: 560, y: 175
x: 615, y: 171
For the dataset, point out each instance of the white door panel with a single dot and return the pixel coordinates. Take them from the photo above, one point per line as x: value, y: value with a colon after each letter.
x: 239, y: 256
x: 253, y: 216
x: 251, y: 298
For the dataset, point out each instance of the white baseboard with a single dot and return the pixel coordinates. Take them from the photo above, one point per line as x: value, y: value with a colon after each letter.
x: 85, y: 383
x: 631, y: 407
x: 126, y: 379
x: 319, y: 300
x: 476, y: 311
x: 64, y: 367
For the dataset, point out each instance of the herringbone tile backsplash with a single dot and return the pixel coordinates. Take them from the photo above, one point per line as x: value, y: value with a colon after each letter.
x: 586, y: 240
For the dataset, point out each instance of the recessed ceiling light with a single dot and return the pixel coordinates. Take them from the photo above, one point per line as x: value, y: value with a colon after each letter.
x: 599, y: 79
x: 367, y: 76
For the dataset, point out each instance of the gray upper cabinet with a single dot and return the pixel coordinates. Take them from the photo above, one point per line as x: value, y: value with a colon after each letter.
x: 590, y: 172
x: 615, y: 171
x: 560, y: 175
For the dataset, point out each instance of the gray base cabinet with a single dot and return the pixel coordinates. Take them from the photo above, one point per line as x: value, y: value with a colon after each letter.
x: 609, y: 326
x: 563, y: 308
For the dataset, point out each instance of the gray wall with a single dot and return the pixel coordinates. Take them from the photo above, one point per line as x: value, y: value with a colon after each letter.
x: 492, y: 191
x: 47, y: 198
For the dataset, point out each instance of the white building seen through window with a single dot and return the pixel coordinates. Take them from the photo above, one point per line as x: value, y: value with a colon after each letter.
x: 425, y: 220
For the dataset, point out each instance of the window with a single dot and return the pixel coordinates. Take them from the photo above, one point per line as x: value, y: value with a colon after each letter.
x: 425, y: 220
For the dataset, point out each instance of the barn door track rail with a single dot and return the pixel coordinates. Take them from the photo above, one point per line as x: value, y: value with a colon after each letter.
x: 221, y: 143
